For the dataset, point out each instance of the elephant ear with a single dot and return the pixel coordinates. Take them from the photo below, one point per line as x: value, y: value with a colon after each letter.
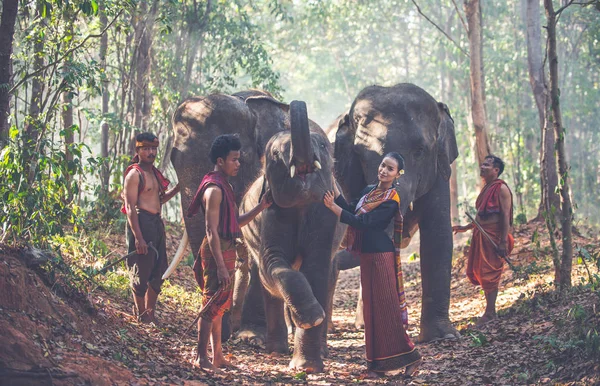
x: 446, y: 142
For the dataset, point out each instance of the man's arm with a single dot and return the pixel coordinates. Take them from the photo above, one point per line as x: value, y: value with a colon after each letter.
x: 462, y: 228
x: 505, y: 204
x: 130, y: 192
x: 169, y: 194
x: 212, y: 198
x: 265, y: 202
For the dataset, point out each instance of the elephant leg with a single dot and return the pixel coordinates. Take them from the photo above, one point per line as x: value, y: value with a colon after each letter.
x: 253, y: 324
x: 334, y: 273
x: 342, y: 261
x: 276, y: 327
x: 305, y: 309
x: 436, y: 263
x: 277, y: 252
x: 310, y: 345
x: 242, y: 277
x: 359, y: 319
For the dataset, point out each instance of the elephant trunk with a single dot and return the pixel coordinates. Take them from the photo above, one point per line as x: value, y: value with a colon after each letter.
x: 301, y: 154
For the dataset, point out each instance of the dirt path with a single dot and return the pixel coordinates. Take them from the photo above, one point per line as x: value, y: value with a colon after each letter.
x: 523, y: 347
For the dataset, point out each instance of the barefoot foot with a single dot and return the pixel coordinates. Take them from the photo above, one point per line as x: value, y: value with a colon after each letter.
x: 204, y: 364
x: 485, y: 318
x: 222, y: 363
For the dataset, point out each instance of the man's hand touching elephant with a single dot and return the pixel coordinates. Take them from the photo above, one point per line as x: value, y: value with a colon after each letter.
x: 266, y: 200
x: 329, y: 201
x: 461, y: 228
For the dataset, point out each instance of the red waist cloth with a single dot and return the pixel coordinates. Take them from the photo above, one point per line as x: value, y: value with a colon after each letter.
x: 484, y: 266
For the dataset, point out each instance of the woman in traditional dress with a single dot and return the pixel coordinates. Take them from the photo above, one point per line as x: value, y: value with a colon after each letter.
x: 388, y: 347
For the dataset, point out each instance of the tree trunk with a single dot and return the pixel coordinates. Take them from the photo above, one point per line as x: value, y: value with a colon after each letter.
x: 473, y: 13
x: 105, y: 172
x: 555, y: 117
x: 37, y: 90
x: 537, y: 80
x: 7, y: 31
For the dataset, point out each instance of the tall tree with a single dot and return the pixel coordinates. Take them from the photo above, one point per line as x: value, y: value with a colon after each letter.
x: 537, y: 79
x: 553, y: 115
x: 7, y: 31
x: 104, y: 128
x: 473, y: 14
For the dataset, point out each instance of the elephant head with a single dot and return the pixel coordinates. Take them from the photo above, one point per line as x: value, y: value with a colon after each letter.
x: 405, y: 119
x: 298, y: 162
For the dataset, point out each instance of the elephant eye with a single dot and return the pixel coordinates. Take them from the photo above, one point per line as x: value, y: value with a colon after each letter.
x: 276, y: 153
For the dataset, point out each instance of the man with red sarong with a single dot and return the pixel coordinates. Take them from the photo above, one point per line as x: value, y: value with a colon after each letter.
x: 494, y: 213
x: 215, y: 266
x: 144, y: 191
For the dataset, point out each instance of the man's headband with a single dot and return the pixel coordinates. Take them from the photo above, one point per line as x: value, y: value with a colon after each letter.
x: 147, y: 143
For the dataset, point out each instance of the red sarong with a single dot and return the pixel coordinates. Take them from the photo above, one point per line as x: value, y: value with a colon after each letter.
x: 387, y: 344
x: 484, y: 266
x: 214, y: 302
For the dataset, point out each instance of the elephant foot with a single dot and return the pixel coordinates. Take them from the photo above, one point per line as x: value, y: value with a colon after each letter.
x: 433, y: 331
x: 309, y: 317
x: 306, y: 365
x: 278, y: 347
x: 324, y: 351
x: 253, y: 335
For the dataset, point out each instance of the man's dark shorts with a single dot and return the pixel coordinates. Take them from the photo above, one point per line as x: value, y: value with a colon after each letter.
x: 147, y: 269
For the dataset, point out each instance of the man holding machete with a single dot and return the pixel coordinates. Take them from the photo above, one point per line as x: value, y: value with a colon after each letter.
x: 491, y: 241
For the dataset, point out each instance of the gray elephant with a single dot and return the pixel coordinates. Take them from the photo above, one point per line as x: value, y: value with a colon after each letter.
x: 292, y: 243
x: 255, y: 116
x: 404, y: 118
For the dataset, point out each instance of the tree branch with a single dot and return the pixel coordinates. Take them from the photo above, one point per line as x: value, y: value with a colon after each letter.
x: 460, y: 16
x: 441, y: 30
x: 69, y: 52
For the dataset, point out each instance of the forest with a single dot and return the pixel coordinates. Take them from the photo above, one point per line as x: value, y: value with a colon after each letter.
x: 79, y: 79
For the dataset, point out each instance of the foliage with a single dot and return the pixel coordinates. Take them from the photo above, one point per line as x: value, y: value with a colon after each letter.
x: 36, y: 203
x: 589, y: 253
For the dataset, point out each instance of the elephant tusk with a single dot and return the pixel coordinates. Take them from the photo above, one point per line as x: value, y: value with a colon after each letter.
x: 317, y: 165
x: 178, y: 256
x: 292, y: 171
x: 410, y: 206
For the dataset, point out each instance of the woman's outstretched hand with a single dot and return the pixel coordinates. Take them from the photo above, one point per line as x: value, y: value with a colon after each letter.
x: 329, y: 201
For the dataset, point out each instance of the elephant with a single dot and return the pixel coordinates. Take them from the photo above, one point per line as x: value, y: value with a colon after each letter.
x: 292, y: 243
x: 404, y: 118
x: 255, y: 116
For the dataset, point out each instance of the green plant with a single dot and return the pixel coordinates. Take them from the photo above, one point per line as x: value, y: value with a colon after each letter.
x: 37, y: 191
x: 585, y: 254
x: 521, y: 219
x: 478, y: 339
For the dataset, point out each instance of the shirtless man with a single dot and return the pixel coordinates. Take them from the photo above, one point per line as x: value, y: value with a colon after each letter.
x: 494, y: 213
x: 215, y: 266
x: 144, y: 192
